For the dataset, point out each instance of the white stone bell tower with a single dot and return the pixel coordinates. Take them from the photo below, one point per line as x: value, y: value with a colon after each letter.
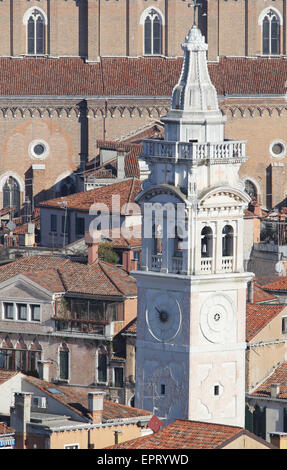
x: 190, y: 359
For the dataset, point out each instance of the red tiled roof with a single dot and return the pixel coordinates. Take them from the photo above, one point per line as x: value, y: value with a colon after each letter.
x: 258, y: 316
x: 4, y: 429
x: 127, y: 190
x: 143, y: 76
x: 60, y: 274
x: 78, y: 400
x: 260, y: 295
x: 6, y: 375
x: 183, y: 434
x: 130, y: 328
x: 279, y: 376
x: 279, y: 285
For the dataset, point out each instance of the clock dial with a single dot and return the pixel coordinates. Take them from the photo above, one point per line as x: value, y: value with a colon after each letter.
x: 217, y: 318
x: 163, y: 317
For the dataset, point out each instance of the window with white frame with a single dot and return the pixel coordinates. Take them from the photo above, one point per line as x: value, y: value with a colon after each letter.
x: 21, y: 312
x: 271, y: 33
x: 36, y: 33
x: 153, y: 33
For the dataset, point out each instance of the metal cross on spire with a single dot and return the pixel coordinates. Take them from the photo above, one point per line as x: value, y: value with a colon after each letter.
x: 194, y: 5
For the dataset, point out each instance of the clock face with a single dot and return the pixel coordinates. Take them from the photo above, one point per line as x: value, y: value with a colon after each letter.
x: 217, y: 318
x: 163, y: 317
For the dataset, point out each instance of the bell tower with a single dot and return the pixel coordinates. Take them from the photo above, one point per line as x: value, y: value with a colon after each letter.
x: 190, y: 359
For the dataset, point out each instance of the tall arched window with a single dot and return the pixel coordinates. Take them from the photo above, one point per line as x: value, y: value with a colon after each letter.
x: 153, y: 33
x: 102, y: 364
x: 64, y: 361
x: 36, y: 33
x: 206, y: 242
x: 271, y: 33
x: 157, y: 239
x: 251, y: 190
x: 11, y: 195
x: 227, y: 241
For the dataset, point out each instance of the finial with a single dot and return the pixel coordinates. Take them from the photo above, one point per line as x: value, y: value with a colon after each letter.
x: 194, y: 5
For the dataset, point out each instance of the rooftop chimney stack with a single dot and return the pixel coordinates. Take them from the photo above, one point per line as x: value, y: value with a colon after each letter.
x: 96, y: 406
x: 93, y: 248
x: 44, y: 370
x: 275, y: 390
x: 20, y: 416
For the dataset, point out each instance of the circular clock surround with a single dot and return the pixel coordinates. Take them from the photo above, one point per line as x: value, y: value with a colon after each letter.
x: 163, y: 316
x: 217, y: 316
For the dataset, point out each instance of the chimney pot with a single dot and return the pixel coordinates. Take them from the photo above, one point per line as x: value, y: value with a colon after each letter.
x: 275, y: 390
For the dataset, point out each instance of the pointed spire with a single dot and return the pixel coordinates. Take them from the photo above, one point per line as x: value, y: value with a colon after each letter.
x: 195, y: 91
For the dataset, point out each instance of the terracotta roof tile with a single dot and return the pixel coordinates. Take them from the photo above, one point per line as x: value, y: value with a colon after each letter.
x: 59, y: 274
x: 127, y: 190
x: 260, y: 295
x: 77, y: 399
x: 183, y: 434
x: 6, y: 375
x: 130, y: 328
x: 279, y: 285
x: 279, y: 376
x: 258, y: 316
x: 4, y: 429
x: 143, y: 76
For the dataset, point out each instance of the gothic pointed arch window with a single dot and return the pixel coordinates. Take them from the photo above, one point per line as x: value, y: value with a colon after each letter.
x: 152, y: 33
x: 36, y: 33
x: 271, y: 33
x: 11, y: 194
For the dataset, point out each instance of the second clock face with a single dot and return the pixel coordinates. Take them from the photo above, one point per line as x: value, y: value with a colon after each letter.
x: 163, y: 317
x: 217, y: 318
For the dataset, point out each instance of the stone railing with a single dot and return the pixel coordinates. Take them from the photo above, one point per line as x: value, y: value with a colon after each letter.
x: 206, y: 265
x: 176, y: 264
x: 156, y: 262
x: 231, y: 149
x: 227, y: 264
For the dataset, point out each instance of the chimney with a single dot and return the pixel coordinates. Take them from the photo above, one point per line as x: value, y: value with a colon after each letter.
x: 96, y: 406
x: 44, y: 370
x: 128, y: 261
x: 20, y: 416
x: 250, y: 288
x: 275, y: 390
x: 121, y: 164
x: 279, y: 439
x: 93, y: 248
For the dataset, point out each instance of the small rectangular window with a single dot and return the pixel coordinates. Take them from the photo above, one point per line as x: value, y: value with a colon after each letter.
x: 53, y: 223
x: 80, y: 226
x: 284, y: 325
x: 119, y: 377
x: 216, y: 390
x: 22, y: 312
x: 162, y: 389
x: 8, y: 311
x: 35, y: 312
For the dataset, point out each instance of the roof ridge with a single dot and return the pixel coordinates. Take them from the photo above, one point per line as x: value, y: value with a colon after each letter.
x: 110, y: 279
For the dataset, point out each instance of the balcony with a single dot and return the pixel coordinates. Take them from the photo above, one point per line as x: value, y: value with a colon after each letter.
x: 227, y: 150
x: 93, y: 327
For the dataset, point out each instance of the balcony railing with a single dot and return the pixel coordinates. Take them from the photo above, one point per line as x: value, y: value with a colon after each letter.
x: 156, y: 262
x: 227, y: 264
x: 176, y: 264
x: 206, y: 265
x: 81, y: 326
x: 232, y: 149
